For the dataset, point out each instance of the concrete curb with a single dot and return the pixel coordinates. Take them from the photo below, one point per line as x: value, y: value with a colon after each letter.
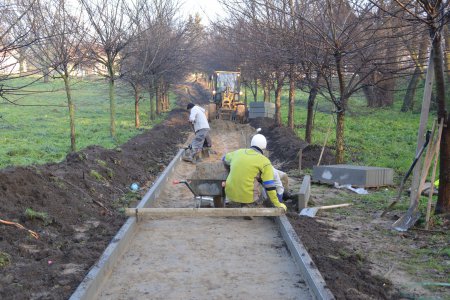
x: 304, y: 262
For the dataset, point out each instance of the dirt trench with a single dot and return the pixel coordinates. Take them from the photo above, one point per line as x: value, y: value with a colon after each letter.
x: 80, y: 199
x: 205, y: 258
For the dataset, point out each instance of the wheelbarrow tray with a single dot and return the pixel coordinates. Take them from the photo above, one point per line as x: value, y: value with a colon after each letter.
x: 206, y: 187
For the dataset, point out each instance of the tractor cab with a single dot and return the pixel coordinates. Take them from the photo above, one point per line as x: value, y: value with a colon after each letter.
x: 226, y: 93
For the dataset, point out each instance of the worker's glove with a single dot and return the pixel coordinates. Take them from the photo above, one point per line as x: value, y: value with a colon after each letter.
x: 283, y: 206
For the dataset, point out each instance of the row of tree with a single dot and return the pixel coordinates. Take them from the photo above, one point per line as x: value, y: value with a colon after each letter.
x: 145, y: 43
x: 337, y: 48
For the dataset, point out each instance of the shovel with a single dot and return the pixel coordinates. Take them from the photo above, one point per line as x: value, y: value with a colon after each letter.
x: 402, y: 184
x: 413, y: 214
x: 407, y: 220
x: 312, y: 211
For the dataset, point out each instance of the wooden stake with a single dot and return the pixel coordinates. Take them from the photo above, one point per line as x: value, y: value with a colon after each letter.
x: 300, y: 155
x: 429, y: 154
x: 204, y: 212
x: 422, y: 128
x: 325, y: 141
x: 433, y: 174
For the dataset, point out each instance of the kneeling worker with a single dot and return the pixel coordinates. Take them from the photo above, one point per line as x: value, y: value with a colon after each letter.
x: 249, y: 167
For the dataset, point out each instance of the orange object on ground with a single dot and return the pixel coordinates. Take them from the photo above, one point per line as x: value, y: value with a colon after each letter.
x: 34, y: 234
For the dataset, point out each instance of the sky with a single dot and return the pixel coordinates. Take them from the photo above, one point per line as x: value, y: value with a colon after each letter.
x: 208, y: 9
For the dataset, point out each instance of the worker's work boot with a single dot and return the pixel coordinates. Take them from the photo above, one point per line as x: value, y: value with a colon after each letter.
x: 197, y: 157
x: 189, y: 157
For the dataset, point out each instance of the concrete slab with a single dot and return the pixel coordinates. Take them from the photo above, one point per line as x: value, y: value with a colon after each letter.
x: 262, y: 104
x: 360, y: 176
x: 304, y: 193
x: 253, y: 115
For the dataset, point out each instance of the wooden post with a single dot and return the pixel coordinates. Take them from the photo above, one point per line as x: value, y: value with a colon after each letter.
x: 433, y: 174
x: 204, y: 212
x: 422, y: 127
x: 325, y: 141
x: 300, y: 155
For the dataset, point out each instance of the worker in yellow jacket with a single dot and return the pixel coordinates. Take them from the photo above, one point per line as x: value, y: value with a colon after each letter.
x: 249, y: 168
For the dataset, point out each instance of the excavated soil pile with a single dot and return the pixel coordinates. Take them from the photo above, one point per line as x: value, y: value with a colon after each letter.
x: 284, y: 147
x: 346, y: 272
x: 73, y: 206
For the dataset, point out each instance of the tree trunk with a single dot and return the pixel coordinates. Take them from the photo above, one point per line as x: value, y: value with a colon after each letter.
x: 278, y: 92
x: 310, y: 114
x: 266, y: 93
x: 408, y: 100
x: 46, y: 75
x: 158, y: 99
x: 137, y: 121
x: 341, y: 106
x: 369, y: 94
x: 291, y: 97
x: 447, y: 53
x: 152, y: 104
x: 245, y: 96
x: 378, y: 90
x: 112, y: 107
x: 71, y: 106
x: 166, y: 99
x: 21, y: 64
x: 340, y: 150
x: 443, y: 202
x: 255, y: 95
x: 385, y: 91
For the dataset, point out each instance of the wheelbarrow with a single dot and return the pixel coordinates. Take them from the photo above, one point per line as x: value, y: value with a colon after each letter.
x: 205, y: 189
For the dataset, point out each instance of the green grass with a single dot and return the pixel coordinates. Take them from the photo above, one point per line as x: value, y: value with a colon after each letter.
x: 373, y: 136
x: 5, y: 259
x: 36, y: 215
x: 33, y: 134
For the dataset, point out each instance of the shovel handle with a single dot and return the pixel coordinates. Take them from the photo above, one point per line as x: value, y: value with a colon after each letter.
x: 334, y: 206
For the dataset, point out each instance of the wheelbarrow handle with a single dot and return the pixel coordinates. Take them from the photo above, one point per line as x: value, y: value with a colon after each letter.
x: 187, y: 184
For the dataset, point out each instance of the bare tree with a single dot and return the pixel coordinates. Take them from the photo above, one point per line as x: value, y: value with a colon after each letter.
x: 112, y: 32
x: 59, y: 36
x: 14, y: 40
x: 345, y: 34
x: 434, y: 15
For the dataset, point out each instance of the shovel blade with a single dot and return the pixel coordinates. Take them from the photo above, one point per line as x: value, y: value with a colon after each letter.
x: 309, y: 211
x: 407, y: 220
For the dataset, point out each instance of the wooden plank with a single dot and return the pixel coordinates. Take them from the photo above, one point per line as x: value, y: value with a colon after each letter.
x: 422, y: 129
x: 204, y: 212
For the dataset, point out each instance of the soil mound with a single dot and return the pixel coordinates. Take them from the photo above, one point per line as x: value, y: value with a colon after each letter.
x: 347, y: 272
x: 73, y: 206
x: 284, y: 146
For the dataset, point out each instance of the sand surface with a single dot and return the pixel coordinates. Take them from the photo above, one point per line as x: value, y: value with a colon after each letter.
x: 205, y: 258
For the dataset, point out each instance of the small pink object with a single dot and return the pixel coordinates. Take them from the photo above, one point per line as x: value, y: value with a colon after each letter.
x: 50, y: 262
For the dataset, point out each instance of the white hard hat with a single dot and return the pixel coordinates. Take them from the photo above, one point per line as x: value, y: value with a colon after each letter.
x: 259, y: 141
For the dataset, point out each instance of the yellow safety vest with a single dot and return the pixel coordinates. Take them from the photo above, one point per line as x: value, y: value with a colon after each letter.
x: 246, y: 167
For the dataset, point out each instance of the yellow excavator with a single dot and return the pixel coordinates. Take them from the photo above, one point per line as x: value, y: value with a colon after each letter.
x: 226, y: 95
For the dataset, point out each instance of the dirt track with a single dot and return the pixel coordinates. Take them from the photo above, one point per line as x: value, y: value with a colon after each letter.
x: 206, y: 258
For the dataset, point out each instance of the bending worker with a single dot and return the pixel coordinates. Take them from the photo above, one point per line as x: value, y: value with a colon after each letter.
x: 201, y: 127
x: 249, y: 167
